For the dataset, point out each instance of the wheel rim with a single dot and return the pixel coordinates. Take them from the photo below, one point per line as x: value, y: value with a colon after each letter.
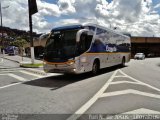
x: 95, y: 68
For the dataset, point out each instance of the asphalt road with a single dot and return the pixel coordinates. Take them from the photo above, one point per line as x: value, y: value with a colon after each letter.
x: 11, y: 73
x: 130, y: 90
x: 7, y: 63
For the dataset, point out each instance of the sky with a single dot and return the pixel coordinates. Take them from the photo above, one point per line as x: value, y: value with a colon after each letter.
x: 137, y: 17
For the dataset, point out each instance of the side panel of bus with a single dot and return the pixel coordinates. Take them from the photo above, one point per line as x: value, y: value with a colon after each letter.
x: 108, y: 47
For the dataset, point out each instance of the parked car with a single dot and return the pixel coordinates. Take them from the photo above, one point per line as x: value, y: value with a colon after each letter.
x: 12, y: 50
x: 139, y: 56
x: 150, y: 55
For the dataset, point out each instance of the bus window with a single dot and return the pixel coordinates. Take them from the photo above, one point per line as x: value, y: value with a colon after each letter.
x: 98, y: 46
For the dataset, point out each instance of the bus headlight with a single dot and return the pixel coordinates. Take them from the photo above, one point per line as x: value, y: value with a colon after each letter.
x: 71, y: 63
x: 44, y: 63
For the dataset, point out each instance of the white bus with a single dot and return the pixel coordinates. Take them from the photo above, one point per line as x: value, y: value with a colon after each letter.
x: 83, y: 48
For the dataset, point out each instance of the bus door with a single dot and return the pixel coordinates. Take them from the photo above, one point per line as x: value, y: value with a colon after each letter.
x: 82, y: 46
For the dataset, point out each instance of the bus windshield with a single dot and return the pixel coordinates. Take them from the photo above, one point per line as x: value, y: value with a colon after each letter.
x: 61, y: 45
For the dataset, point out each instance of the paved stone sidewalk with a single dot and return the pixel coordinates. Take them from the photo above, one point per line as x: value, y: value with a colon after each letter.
x: 19, y: 59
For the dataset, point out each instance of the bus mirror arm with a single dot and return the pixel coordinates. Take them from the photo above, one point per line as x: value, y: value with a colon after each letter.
x: 79, y: 34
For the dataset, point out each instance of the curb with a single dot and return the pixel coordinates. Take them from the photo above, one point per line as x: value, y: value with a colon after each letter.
x: 29, y: 67
x: 21, y: 63
x: 32, y: 70
x: 39, y: 72
x: 11, y: 60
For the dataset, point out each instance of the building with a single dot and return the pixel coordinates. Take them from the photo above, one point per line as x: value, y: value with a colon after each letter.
x: 150, y: 46
x: 39, y: 44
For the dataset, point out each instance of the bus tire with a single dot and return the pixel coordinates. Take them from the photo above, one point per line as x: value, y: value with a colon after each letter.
x: 123, y: 62
x: 95, y: 67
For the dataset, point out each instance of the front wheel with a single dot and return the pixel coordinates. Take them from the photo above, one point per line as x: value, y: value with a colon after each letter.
x: 95, y: 68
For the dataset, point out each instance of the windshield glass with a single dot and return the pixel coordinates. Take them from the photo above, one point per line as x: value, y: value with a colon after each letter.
x: 61, y: 45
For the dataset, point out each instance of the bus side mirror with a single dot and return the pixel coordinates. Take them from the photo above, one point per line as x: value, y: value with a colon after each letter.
x: 79, y: 33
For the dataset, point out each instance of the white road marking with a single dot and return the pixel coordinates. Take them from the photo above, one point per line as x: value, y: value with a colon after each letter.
x: 10, y: 85
x: 119, y: 76
x: 17, y: 77
x: 3, y: 74
x: 88, y: 104
x: 7, y: 72
x: 145, y: 84
x: 130, y: 91
x: 10, y: 70
x: 29, y: 73
x: 142, y: 111
x: 101, y: 93
x: 1, y: 61
x: 120, y: 82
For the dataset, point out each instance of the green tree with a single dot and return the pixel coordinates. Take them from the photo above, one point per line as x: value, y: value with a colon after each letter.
x: 20, y: 43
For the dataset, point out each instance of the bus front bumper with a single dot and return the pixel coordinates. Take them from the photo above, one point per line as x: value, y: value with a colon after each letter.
x: 54, y: 68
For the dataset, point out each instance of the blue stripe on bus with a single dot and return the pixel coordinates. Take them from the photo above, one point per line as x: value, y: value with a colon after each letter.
x: 100, y: 47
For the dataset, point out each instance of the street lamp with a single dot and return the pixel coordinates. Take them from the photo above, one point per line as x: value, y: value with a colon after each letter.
x: 1, y: 23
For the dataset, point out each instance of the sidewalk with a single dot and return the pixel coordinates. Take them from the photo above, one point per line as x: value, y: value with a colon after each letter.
x: 18, y: 59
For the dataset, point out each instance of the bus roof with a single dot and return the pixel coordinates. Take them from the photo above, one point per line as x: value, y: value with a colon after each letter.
x: 81, y: 25
x: 72, y: 26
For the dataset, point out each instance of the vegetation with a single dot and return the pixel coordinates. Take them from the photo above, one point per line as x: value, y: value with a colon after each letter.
x: 19, y: 42
x: 32, y: 65
x: 10, y: 35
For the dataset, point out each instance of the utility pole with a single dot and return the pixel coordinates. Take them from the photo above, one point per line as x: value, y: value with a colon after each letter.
x: 32, y: 5
x: 31, y: 37
x: 1, y: 25
x: 2, y: 42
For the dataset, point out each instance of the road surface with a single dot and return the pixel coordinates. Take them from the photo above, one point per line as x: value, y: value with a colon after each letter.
x: 129, y: 90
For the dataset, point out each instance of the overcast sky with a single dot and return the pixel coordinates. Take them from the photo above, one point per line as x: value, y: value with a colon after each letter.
x: 138, y: 17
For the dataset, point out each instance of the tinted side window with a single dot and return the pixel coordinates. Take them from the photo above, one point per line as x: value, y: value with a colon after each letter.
x: 100, y: 31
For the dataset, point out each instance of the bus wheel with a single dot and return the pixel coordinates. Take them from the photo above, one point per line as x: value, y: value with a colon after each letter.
x: 123, y: 62
x: 95, y: 67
